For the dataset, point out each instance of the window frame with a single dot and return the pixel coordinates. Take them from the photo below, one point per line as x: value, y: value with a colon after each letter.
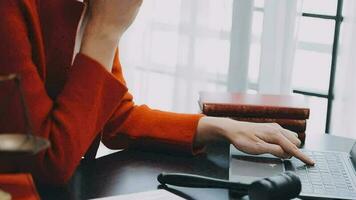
x: 338, y: 18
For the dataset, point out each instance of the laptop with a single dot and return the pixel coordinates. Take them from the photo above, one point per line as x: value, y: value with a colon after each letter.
x: 333, y: 176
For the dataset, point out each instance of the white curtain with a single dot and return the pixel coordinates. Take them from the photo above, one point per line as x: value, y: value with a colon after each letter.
x: 268, y: 49
x: 278, y: 45
x: 177, y: 48
x: 344, y: 109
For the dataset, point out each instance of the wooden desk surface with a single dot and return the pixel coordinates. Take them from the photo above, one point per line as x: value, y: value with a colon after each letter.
x: 132, y: 171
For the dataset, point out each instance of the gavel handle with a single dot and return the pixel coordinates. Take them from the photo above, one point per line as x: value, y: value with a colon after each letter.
x: 195, y: 181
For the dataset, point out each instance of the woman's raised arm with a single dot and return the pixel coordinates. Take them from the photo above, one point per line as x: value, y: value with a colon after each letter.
x: 70, y: 121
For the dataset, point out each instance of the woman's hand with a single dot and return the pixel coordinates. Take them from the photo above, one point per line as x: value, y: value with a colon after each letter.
x: 252, y: 138
x: 107, y: 20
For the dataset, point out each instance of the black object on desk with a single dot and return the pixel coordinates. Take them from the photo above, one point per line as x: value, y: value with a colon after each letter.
x: 283, y: 187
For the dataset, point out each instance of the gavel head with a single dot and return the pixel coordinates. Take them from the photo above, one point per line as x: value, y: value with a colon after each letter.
x: 284, y: 186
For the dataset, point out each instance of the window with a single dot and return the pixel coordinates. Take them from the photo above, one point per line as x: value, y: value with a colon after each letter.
x: 315, y: 58
x: 317, y: 54
x: 176, y: 49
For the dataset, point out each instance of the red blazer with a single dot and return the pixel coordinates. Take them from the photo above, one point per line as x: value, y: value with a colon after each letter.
x: 70, y: 104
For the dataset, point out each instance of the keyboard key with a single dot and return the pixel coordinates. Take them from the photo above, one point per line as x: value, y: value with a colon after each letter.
x: 329, y: 187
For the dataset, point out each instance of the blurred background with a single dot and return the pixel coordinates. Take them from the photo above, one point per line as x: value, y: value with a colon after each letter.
x: 177, y: 48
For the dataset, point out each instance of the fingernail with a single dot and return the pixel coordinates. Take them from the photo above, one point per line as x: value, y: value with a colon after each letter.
x: 312, y: 162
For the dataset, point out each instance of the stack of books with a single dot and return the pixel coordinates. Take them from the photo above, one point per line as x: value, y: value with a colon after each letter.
x: 290, y: 112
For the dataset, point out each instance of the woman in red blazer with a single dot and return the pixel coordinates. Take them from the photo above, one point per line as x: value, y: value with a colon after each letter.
x: 66, y: 53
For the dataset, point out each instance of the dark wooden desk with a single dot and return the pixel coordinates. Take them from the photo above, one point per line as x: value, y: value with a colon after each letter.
x: 131, y: 171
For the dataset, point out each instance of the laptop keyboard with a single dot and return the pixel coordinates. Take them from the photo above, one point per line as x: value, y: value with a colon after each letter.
x: 328, y: 177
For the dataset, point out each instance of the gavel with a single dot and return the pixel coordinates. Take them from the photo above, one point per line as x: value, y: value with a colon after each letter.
x: 284, y: 186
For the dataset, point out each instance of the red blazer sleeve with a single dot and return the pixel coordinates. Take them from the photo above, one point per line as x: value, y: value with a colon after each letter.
x: 144, y: 127
x: 74, y: 118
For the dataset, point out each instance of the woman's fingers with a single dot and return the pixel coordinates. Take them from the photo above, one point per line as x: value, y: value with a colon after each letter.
x: 291, y: 136
x: 273, y: 149
x: 257, y: 138
x: 289, y: 147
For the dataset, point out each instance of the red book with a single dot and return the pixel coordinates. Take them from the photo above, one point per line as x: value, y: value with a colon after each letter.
x: 226, y: 104
x: 296, y: 125
x: 19, y: 186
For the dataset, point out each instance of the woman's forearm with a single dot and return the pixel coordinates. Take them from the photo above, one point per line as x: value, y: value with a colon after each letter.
x: 100, y: 44
x: 211, y: 129
x: 107, y: 22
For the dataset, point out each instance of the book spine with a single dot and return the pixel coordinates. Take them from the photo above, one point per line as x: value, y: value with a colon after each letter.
x: 224, y: 110
x: 296, y: 125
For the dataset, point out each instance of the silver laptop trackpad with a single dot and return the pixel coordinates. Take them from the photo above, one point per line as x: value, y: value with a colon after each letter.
x: 247, y: 168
